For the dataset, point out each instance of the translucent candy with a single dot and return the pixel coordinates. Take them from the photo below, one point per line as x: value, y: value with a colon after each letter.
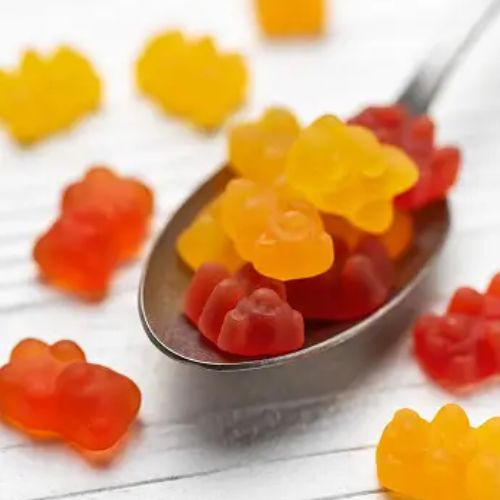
x: 344, y: 170
x: 438, y: 166
x: 258, y: 150
x: 283, y: 238
x: 445, y: 459
x: 45, y: 95
x: 192, y: 79
x: 462, y: 348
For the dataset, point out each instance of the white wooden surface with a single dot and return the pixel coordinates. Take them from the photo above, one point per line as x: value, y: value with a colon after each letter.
x: 305, y: 432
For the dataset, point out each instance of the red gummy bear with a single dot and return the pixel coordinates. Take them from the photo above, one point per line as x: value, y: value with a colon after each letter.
x: 462, y: 348
x: 103, y: 222
x: 357, y: 284
x: 77, y: 254
x: 213, y: 296
x: 438, y: 166
x: 96, y: 405
x: 204, y: 289
x: 27, y: 383
x: 128, y: 202
x: 261, y: 324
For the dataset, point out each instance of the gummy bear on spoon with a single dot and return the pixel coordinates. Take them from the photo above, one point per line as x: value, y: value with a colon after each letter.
x: 166, y: 279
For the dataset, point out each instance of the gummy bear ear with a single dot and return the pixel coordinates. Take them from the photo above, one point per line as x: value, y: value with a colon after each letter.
x: 29, y: 349
x: 494, y: 286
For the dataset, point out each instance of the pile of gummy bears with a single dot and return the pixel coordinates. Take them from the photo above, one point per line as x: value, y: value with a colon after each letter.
x: 324, y: 211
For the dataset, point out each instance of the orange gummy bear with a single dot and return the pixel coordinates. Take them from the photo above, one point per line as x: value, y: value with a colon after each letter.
x: 258, y: 150
x: 52, y: 390
x: 445, y: 459
x: 104, y: 221
x: 291, y: 17
x: 78, y: 253
x: 128, y: 202
x: 192, y: 79
x: 27, y: 383
x: 45, y: 95
x: 282, y: 237
x: 96, y: 405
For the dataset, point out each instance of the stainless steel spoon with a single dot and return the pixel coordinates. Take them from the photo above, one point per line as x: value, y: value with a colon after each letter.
x: 165, y: 277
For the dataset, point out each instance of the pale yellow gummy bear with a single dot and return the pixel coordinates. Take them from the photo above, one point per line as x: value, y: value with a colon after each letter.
x: 344, y: 170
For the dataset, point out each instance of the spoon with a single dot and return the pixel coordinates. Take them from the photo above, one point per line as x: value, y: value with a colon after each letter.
x: 166, y: 278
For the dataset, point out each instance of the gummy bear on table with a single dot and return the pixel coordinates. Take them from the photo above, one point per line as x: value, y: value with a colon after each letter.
x: 462, y: 347
x: 47, y: 94
x: 445, y: 459
x: 52, y: 390
x: 103, y: 222
x: 191, y: 78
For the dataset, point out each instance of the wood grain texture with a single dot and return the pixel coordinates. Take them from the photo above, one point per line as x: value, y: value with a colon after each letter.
x: 302, y: 432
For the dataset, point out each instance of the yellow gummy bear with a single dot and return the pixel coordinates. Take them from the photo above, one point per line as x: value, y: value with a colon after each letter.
x: 258, y: 150
x: 205, y: 241
x: 192, y: 79
x: 344, y: 170
x: 445, y: 459
x: 45, y: 95
x: 291, y: 17
x: 283, y: 238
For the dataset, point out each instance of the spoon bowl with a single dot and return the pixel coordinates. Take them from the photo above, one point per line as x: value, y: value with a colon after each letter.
x: 166, y: 279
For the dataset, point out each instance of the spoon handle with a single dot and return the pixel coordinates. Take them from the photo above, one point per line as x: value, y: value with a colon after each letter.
x: 431, y: 74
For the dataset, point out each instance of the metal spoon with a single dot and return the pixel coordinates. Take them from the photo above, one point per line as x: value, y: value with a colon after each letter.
x: 165, y: 277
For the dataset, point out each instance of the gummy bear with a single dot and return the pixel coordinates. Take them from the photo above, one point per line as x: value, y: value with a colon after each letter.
x: 128, y: 201
x: 461, y: 348
x: 344, y: 170
x: 397, y: 239
x: 291, y: 17
x: 258, y: 150
x: 244, y: 314
x: 52, y: 390
x: 445, y: 459
x: 438, y: 166
x: 27, y: 383
x: 192, y: 79
x: 95, y: 405
x: 78, y: 253
x: 45, y: 95
x: 261, y: 324
x: 224, y: 295
x: 204, y: 240
x: 358, y: 283
x: 104, y: 220
x: 283, y: 238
